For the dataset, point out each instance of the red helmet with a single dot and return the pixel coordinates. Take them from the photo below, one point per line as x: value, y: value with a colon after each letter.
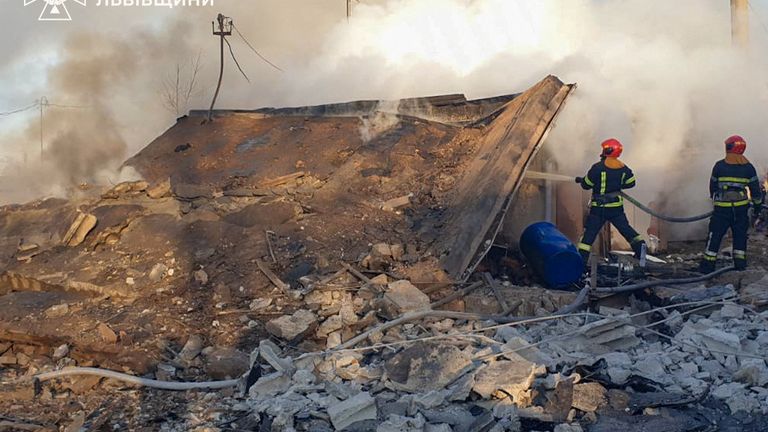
x: 612, y: 148
x: 735, y: 144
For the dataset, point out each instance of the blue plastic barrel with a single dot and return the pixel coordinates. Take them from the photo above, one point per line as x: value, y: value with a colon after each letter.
x: 551, y: 255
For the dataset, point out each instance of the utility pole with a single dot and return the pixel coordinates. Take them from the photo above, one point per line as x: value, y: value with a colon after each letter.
x: 224, y: 30
x: 43, y: 103
x: 349, y: 8
x: 740, y: 23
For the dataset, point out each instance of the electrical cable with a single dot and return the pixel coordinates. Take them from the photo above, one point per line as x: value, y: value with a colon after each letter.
x: 232, y: 53
x: 67, y: 106
x: 19, y: 110
x: 254, y: 49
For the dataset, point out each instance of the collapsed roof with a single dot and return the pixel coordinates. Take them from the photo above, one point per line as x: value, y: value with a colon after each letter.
x: 475, y: 151
x: 307, y: 187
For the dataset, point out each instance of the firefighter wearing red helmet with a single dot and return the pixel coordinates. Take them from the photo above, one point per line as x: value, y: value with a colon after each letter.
x: 733, y: 187
x: 606, y: 179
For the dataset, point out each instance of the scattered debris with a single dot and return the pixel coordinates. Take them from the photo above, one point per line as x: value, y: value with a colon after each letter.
x: 107, y: 334
x: 397, y: 203
x: 293, y: 327
x: 357, y: 408
x: 79, y: 229
x: 346, y: 311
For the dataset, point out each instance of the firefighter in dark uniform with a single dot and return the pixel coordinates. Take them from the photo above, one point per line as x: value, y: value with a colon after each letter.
x: 733, y: 187
x: 606, y: 179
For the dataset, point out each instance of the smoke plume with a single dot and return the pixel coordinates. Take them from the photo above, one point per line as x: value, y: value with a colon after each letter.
x: 663, y: 77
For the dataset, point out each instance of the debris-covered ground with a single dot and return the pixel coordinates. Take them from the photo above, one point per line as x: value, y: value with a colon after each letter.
x: 298, y: 260
x: 689, y: 361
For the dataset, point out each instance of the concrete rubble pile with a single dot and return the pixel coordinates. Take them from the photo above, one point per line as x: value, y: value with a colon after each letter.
x: 581, y: 372
x: 384, y: 342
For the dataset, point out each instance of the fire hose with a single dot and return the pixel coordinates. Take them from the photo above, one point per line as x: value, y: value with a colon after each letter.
x: 673, y: 219
x: 638, y: 204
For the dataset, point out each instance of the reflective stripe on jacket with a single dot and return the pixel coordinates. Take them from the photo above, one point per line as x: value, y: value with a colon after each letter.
x: 734, y: 185
x: 606, y: 184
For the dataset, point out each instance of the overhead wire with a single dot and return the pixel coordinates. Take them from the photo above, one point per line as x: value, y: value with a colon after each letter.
x: 254, y: 49
x: 232, y: 53
x: 67, y: 106
x: 20, y: 110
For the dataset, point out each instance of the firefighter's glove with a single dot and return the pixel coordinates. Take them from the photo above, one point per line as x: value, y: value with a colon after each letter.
x: 579, y: 180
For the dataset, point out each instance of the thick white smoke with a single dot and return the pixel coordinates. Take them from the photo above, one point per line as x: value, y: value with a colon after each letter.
x: 661, y: 76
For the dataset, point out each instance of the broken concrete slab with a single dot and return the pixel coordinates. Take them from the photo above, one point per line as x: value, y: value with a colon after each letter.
x: 752, y: 372
x: 293, y: 327
x: 440, y: 427
x: 565, y: 427
x: 396, y: 423
x: 405, y: 297
x: 357, y: 408
x: 511, y: 377
x: 381, y: 250
x: 732, y: 311
x: 59, y: 353
x: 651, y: 366
x: 457, y: 416
x: 589, y: 397
x: 522, y: 348
x: 270, y: 385
x: 331, y: 324
x: 226, y: 363
x: 268, y: 352
x: 720, y: 340
x: 191, y: 348
x: 426, y: 367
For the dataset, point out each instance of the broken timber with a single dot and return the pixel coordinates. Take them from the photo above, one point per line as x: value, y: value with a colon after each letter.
x: 514, y: 135
x: 282, y: 286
